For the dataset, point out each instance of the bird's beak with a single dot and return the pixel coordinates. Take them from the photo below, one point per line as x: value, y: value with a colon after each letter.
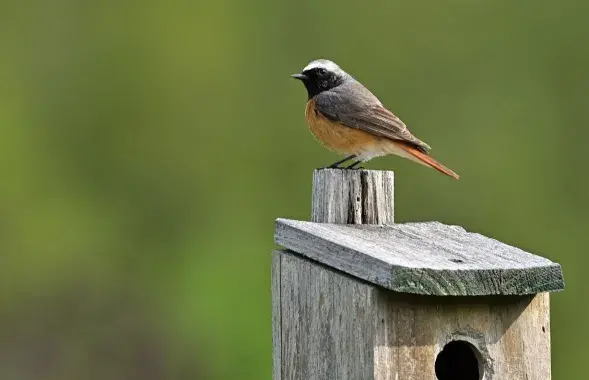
x: 299, y: 76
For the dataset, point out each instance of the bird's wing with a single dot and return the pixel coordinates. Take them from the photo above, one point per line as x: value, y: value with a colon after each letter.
x: 364, y: 111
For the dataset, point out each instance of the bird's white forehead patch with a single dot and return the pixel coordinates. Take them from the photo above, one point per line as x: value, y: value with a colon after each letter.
x: 324, y: 63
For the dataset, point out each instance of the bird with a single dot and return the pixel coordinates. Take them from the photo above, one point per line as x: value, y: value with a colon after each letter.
x: 349, y: 120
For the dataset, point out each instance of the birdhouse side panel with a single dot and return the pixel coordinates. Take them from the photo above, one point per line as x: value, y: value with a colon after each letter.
x: 326, y: 323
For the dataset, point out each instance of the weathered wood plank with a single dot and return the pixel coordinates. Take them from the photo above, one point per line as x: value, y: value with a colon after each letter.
x: 510, y: 335
x: 327, y: 323
x: 276, y: 317
x: 422, y: 258
x: 353, y: 196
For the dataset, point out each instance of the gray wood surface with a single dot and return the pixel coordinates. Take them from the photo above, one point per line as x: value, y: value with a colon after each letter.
x: 353, y: 196
x: 276, y: 317
x: 423, y: 258
x: 334, y: 326
x: 324, y: 333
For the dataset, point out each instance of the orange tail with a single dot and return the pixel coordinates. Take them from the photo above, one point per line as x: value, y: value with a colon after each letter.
x: 426, y: 160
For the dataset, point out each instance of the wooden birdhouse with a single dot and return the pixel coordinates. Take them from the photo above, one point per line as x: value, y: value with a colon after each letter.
x: 357, y: 297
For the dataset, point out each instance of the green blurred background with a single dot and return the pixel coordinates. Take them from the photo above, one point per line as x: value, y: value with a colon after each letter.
x: 147, y: 147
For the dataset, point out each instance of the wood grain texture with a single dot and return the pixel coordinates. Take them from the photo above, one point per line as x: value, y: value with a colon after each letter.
x: 276, y: 316
x: 353, y: 196
x: 510, y: 335
x: 422, y: 258
x: 334, y: 326
x: 323, y: 331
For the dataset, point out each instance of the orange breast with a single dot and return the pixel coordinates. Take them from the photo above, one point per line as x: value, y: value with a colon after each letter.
x: 337, y: 137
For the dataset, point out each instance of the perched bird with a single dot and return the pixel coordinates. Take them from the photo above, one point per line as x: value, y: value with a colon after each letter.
x: 348, y: 119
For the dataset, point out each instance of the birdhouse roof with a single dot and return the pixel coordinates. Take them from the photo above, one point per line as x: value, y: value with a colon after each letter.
x: 422, y: 258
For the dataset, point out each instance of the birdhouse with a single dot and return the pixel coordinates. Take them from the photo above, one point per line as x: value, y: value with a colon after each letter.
x: 357, y: 297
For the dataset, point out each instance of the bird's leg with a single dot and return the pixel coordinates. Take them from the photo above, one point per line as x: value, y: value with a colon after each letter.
x: 335, y: 165
x: 353, y: 165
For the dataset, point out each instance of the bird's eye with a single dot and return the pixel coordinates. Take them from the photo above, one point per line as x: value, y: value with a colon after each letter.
x: 322, y: 71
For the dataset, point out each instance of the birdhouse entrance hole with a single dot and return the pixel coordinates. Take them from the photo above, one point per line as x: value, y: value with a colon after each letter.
x: 459, y: 360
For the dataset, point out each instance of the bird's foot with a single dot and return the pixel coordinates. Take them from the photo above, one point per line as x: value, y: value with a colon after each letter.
x: 336, y: 165
x: 353, y: 166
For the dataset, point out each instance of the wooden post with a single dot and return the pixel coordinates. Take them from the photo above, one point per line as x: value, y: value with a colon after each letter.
x: 408, y: 301
x: 353, y: 196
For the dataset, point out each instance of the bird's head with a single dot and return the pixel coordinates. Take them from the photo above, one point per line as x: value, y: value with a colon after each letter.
x: 321, y: 75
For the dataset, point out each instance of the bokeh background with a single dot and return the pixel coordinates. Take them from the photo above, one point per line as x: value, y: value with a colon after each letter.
x: 147, y: 147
